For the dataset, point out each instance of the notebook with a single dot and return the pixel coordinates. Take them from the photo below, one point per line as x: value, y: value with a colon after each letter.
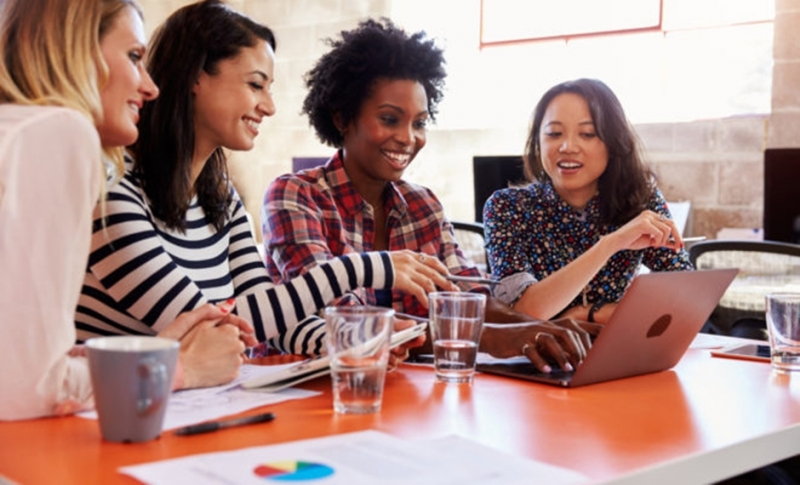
x: 654, y: 324
x: 318, y: 366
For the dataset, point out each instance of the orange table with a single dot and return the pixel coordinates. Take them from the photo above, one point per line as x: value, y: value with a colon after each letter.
x: 705, y: 420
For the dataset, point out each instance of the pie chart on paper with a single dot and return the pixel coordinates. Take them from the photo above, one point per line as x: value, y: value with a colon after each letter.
x: 292, y: 471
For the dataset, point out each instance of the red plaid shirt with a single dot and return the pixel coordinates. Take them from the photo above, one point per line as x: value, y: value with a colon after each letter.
x: 314, y: 215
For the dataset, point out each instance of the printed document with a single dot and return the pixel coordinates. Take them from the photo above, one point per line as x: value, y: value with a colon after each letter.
x: 366, y: 457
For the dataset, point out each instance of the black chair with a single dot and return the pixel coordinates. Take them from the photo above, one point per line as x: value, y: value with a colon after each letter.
x: 490, y: 173
x: 764, y: 266
x: 471, y: 241
x: 781, y: 204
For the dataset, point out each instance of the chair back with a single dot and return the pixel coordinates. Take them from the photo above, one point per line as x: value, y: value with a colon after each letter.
x: 490, y: 173
x: 472, y: 242
x: 764, y: 267
x: 751, y: 257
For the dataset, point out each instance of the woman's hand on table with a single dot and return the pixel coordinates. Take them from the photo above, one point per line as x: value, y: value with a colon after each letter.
x: 564, y: 341
x: 401, y: 352
x: 212, y: 344
x: 419, y: 274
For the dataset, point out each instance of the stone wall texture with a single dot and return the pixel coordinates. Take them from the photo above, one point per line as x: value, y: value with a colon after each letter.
x: 716, y: 164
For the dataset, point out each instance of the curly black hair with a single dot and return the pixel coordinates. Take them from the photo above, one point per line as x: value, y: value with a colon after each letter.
x: 343, y: 78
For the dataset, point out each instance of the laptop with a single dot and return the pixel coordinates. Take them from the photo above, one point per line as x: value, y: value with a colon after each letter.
x: 653, y: 325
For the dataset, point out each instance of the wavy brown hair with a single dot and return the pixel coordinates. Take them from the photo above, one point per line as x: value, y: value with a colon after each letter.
x: 192, y: 40
x: 627, y: 185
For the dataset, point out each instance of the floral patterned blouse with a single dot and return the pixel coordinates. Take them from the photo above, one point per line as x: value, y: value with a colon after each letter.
x: 531, y: 232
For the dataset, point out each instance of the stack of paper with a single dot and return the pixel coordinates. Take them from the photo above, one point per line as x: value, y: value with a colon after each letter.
x: 367, y: 457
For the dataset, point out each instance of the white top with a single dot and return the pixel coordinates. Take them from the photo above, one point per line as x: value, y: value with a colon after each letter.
x: 50, y: 176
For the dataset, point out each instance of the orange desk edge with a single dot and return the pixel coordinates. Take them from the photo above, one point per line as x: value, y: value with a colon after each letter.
x: 705, y: 420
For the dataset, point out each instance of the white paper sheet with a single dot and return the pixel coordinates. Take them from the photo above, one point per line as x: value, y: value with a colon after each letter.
x: 197, y: 405
x: 712, y: 342
x: 366, y: 457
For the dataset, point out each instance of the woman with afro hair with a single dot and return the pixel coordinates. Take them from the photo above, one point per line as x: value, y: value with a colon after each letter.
x: 371, y: 97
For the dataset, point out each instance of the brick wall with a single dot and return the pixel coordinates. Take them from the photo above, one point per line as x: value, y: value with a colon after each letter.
x: 715, y: 164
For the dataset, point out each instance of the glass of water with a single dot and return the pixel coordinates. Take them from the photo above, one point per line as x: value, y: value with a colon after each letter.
x: 456, y: 322
x: 358, y: 346
x: 783, y: 324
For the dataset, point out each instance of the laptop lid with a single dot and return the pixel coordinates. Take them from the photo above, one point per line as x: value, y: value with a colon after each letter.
x: 653, y: 325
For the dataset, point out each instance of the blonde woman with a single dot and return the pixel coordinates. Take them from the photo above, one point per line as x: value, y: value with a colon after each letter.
x: 71, y: 84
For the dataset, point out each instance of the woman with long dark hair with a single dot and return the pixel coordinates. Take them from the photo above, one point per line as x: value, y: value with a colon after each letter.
x: 371, y: 97
x: 175, y: 233
x: 569, y: 243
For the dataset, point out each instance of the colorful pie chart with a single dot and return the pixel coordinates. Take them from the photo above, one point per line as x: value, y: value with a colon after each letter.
x: 292, y: 471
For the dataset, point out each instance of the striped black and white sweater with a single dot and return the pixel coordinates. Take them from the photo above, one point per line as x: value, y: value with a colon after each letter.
x: 141, y: 275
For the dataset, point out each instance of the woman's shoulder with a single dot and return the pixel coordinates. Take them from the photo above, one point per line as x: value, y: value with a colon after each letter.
x: 410, y: 188
x: 657, y: 203
x: 306, y: 180
x: 418, y: 198
x: 53, y: 125
x: 524, y: 195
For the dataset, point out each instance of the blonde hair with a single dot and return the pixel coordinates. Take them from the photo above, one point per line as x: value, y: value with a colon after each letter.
x: 51, y: 55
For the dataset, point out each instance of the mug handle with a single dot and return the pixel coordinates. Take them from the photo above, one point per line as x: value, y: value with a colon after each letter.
x: 153, y: 376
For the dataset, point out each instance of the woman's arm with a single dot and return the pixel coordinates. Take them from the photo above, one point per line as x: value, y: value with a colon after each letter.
x: 665, y: 259
x: 508, y: 235
x: 548, y: 297
x: 50, y: 178
x: 296, y: 237
x: 284, y: 313
x: 130, y: 261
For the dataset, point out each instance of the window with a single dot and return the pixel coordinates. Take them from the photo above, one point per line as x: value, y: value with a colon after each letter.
x: 514, y: 20
x: 703, y: 59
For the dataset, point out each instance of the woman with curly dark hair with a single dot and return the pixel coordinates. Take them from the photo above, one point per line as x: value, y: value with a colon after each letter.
x: 571, y: 242
x: 175, y: 233
x: 371, y: 97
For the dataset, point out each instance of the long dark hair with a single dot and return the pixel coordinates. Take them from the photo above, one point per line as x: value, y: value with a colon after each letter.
x: 627, y: 185
x: 343, y: 78
x: 194, y: 38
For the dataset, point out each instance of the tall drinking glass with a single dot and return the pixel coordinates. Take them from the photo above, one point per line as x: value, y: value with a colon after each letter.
x: 456, y: 322
x: 783, y: 325
x: 358, y: 346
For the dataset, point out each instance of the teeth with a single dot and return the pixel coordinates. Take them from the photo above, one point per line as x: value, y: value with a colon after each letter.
x: 252, y: 124
x: 400, y: 158
x: 569, y: 165
x: 134, y: 107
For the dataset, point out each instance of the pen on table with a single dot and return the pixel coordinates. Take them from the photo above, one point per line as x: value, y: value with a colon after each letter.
x: 230, y: 423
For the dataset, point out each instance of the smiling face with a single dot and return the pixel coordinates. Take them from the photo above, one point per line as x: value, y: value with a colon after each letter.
x: 231, y: 103
x: 128, y: 85
x: 389, y: 131
x: 572, y: 154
